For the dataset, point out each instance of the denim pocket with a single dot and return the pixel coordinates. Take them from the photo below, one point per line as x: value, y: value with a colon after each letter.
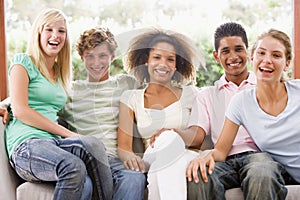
x: 20, y: 160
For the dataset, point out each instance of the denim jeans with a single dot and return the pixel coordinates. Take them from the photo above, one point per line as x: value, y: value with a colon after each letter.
x: 258, y: 175
x: 128, y: 184
x: 69, y: 162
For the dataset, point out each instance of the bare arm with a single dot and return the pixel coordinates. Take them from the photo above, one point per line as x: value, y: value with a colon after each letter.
x: 219, y: 153
x: 192, y: 136
x: 225, y: 140
x: 19, y: 101
x: 125, y: 137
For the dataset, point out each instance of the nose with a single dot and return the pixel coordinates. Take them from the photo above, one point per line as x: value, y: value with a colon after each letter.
x: 54, y: 34
x: 233, y: 56
x: 267, y: 58
x: 163, y: 62
x: 97, y: 61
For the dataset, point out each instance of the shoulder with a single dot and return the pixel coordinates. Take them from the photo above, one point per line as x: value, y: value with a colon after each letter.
x: 127, y: 79
x: 132, y: 94
x: 245, y: 95
x: 24, y: 60
x: 130, y: 97
x: 293, y: 86
x: 209, y: 92
x: 293, y: 83
x: 20, y: 57
x: 191, y: 89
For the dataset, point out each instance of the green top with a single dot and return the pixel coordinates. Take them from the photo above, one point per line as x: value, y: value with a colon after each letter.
x: 45, y: 97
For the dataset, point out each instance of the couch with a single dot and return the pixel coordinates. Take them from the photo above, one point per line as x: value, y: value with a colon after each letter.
x: 12, y: 187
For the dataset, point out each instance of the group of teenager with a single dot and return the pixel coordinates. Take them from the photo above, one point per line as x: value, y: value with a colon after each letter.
x: 251, y: 116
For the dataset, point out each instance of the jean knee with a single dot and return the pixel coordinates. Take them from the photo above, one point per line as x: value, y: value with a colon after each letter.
x: 95, y: 147
x: 135, y: 178
x: 74, y: 171
x: 87, y: 189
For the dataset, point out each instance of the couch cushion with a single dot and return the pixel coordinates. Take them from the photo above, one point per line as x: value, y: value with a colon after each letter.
x: 237, y: 194
x: 35, y: 191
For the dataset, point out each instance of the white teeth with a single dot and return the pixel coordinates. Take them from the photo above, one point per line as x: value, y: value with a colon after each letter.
x: 234, y: 64
x: 161, y: 71
x: 266, y: 69
x: 97, y: 69
x: 53, y: 43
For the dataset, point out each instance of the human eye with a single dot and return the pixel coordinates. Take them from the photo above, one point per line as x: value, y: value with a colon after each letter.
x: 260, y: 52
x: 277, y: 55
x: 48, y: 29
x: 239, y: 49
x: 62, y: 30
x: 224, y: 51
x: 102, y: 56
x: 156, y: 57
x: 171, y: 59
x: 89, y: 56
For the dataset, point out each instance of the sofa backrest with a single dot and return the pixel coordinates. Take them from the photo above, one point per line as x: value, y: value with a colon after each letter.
x: 8, y: 178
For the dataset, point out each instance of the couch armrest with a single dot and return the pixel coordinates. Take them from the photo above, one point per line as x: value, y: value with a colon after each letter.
x: 9, y: 179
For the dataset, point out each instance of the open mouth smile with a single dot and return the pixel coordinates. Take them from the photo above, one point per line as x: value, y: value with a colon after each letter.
x: 263, y: 69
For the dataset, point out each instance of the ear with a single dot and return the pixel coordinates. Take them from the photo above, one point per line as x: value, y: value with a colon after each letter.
x: 287, y: 65
x: 112, y: 57
x: 216, y: 56
x: 251, y: 58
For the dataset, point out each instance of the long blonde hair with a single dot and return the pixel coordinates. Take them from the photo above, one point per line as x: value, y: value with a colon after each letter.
x: 62, y: 66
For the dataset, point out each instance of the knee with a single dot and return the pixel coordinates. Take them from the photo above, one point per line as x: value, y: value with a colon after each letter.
x: 135, y: 179
x: 263, y: 169
x: 91, y: 142
x: 95, y: 148
x: 72, y: 169
x: 139, y: 179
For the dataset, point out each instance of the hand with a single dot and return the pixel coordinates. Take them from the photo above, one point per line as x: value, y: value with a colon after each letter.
x: 135, y: 163
x: 69, y: 133
x: 155, y: 135
x: 5, y: 115
x: 199, y: 163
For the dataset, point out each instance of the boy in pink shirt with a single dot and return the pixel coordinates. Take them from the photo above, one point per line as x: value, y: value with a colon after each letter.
x: 258, y: 175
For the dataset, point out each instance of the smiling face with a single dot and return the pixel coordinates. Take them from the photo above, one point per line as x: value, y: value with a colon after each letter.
x: 269, y: 59
x: 97, y: 62
x: 53, y: 37
x: 232, y: 55
x: 162, y: 63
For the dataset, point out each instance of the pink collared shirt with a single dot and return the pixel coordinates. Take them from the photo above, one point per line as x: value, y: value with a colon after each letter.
x: 208, y: 111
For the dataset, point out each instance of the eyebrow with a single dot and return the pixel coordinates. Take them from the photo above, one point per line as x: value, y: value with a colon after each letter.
x: 274, y: 51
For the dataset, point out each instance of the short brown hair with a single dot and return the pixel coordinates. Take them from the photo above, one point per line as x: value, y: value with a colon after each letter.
x: 91, y: 38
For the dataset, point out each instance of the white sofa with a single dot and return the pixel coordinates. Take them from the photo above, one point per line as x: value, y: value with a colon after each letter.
x: 12, y: 187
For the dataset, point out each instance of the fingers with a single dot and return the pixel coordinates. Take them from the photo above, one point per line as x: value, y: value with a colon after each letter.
x: 135, y: 163
x: 5, y: 116
x: 211, y: 166
x: 189, y: 171
x: 153, y: 138
x: 203, y: 163
x: 192, y: 170
x: 203, y: 173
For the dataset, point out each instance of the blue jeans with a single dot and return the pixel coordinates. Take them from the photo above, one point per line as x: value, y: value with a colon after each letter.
x: 128, y: 184
x: 258, y: 175
x: 78, y: 165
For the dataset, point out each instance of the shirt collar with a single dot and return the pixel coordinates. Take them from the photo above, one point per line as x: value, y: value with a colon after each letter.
x: 222, y: 82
